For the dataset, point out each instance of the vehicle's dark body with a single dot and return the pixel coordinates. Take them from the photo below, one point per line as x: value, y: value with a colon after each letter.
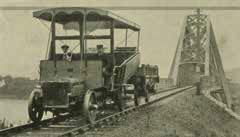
x: 87, y: 81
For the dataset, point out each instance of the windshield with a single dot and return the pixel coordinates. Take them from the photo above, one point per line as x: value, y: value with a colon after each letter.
x: 97, y: 35
x: 70, y: 29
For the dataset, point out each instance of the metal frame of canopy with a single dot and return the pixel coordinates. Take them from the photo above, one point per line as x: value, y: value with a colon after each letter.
x: 82, y: 16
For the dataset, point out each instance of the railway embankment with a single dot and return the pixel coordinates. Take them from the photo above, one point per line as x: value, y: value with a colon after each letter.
x: 187, y: 115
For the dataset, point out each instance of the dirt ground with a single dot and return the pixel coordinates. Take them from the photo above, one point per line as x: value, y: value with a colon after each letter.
x: 187, y: 115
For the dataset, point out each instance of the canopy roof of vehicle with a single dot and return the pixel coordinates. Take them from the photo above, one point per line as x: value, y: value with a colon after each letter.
x: 70, y: 14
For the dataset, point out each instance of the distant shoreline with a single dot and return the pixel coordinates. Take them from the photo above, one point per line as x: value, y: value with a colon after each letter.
x: 10, y: 97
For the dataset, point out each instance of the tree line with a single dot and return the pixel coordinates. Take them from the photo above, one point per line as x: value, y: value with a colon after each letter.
x: 16, y: 87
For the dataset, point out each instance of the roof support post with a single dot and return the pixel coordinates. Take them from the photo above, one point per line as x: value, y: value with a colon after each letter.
x: 112, y: 41
x: 85, y: 39
x: 138, y: 41
x: 82, y: 27
x: 53, y: 44
x: 126, y: 38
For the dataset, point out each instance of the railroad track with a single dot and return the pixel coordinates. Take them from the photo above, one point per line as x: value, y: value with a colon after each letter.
x: 67, y: 125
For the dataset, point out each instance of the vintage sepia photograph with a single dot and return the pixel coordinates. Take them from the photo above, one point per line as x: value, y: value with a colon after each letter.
x: 110, y: 68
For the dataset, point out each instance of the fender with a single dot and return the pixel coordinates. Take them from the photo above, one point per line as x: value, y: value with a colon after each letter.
x: 88, y: 93
x: 35, y: 96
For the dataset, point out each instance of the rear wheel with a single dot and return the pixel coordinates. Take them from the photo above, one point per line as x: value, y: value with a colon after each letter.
x: 146, y: 95
x: 136, y: 96
x: 155, y: 88
x: 35, y: 109
x: 119, y: 100
x: 90, y: 107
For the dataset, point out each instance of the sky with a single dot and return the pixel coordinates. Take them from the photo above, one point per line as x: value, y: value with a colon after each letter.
x: 23, y: 39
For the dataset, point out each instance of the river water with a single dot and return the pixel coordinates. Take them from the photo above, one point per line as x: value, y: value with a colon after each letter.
x: 15, y: 111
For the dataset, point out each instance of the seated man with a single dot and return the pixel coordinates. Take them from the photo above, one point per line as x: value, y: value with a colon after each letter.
x: 107, y: 73
x: 66, y: 54
x: 100, y: 50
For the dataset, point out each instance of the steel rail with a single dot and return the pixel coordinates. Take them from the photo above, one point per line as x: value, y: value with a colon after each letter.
x: 21, y: 128
x: 85, y: 128
x: 82, y: 129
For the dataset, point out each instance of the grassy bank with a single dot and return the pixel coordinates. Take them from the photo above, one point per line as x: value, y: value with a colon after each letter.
x: 187, y: 115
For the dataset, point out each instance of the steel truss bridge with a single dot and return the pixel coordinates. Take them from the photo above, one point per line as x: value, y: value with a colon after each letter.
x: 197, y: 58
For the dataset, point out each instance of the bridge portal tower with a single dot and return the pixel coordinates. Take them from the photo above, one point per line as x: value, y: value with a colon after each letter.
x: 197, y: 57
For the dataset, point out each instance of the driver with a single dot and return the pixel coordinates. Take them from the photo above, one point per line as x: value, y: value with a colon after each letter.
x: 66, y: 54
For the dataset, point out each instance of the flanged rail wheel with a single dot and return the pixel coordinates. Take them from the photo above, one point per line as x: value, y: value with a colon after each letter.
x: 146, y: 95
x: 35, y: 109
x: 120, y: 101
x: 90, y: 107
x: 136, y: 96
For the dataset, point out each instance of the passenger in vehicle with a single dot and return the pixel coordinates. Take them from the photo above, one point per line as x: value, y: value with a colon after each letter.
x: 100, y: 50
x: 107, y: 73
x: 106, y: 66
x: 66, y: 54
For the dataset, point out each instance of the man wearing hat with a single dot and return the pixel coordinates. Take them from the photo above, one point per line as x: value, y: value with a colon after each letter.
x: 100, y: 50
x: 66, y: 54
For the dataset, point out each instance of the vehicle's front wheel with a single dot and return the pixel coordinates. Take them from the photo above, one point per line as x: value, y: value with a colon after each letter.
x: 35, y: 109
x: 90, y: 107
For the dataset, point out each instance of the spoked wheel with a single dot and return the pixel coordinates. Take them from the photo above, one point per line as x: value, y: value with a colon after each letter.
x: 120, y: 101
x: 136, y: 96
x: 155, y: 88
x: 146, y: 96
x: 90, y: 107
x: 35, y: 109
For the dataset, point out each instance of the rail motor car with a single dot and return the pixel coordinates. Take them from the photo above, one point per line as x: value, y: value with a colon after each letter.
x: 74, y: 79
